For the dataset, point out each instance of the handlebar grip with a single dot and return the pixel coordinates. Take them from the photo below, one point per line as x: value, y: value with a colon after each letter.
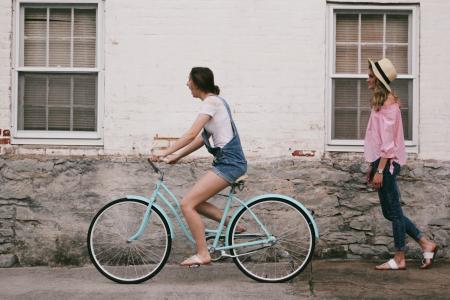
x: 155, y: 168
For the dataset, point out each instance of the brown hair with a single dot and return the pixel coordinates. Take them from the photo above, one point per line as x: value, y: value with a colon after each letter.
x: 380, y: 94
x: 203, y: 78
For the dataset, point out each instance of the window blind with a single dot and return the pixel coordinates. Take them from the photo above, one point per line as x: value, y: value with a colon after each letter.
x: 58, y: 102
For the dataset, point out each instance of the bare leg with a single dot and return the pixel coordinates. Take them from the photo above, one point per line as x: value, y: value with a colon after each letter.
x: 212, y: 212
x: 209, y: 185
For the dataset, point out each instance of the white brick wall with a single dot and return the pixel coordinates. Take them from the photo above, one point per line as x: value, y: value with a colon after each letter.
x: 434, y: 133
x: 269, y: 61
x: 5, y: 63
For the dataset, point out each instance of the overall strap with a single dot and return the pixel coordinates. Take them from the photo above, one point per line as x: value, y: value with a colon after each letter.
x: 229, y: 114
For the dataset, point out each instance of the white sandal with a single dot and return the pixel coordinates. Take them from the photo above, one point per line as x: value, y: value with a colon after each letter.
x: 392, y: 264
x: 430, y: 256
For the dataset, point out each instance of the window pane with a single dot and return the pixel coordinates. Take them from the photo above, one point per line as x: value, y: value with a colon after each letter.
x: 84, y: 53
x: 374, y: 52
x: 346, y: 28
x: 364, y: 119
x: 59, y: 118
x: 60, y: 37
x: 346, y: 59
x: 397, y: 28
x: 85, y: 33
x: 85, y: 23
x: 34, y: 118
x: 59, y: 90
x: 399, y: 57
x: 58, y: 102
x: 84, y: 119
x: 351, y: 108
x: 85, y: 90
x: 372, y: 28
x: 35, y: 33
x: 345, y: 90
x: 403, y: 89
x: 32, y: 102
x: 344, y: 124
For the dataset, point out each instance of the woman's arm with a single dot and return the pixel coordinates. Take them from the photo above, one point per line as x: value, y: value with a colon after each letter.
x: 194, y: 145
x: 388, y: 146
x: 187, y: 138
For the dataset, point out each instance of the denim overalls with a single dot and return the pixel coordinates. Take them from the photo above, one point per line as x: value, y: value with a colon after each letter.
x: 229, y: 161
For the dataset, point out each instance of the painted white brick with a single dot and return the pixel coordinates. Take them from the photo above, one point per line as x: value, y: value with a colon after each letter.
x: 269, y: 61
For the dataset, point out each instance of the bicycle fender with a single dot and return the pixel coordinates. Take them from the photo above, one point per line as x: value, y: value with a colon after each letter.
x: 172, y: 233
x: 292, y: 200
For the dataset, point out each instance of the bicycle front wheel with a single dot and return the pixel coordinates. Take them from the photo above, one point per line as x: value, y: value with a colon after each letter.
x: 291, y: 249
x: 120, y: 259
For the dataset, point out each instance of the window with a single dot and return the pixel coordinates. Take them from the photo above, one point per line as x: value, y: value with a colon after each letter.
x: 57, y: 71
x: 357, y: 34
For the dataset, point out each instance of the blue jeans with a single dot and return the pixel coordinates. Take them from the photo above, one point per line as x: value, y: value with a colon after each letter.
x: 389, y: 195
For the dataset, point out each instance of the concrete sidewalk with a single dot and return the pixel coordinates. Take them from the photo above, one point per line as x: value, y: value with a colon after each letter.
x: 329, y: 280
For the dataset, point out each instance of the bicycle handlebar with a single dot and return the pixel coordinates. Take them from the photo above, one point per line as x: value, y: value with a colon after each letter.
x: 155, y: 168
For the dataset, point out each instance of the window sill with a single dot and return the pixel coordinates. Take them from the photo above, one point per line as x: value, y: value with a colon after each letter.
x: 410, y: 148
x: 57, y: 138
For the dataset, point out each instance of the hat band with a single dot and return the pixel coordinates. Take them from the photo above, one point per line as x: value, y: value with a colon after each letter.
x: 382, y: 73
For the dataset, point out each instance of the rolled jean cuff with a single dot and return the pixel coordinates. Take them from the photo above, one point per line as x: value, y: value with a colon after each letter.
x: 419, y: 236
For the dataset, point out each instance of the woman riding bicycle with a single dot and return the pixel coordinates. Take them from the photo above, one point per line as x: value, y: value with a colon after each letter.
x: 213, y: 121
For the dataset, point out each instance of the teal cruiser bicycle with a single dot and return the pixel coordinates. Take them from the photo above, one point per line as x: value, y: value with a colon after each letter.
x: 129, y: 239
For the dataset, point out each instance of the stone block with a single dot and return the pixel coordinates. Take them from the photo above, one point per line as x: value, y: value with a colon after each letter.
x: 361, y: 223
x: 344, y: 238
x: 7, y: 260
x: 6, y: 232
x: 25, y: 214
x: 368, y: 250
x: 7, y: 212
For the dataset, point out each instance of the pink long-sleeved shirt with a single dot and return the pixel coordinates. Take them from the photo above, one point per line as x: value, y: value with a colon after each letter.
x: 384, y: 136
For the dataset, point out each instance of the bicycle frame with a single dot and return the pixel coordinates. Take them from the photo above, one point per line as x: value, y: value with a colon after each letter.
x: 158, y: 193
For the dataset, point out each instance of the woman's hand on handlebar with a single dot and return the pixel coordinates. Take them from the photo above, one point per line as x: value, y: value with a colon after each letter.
x: 157, y: 155
x: 160, y: 155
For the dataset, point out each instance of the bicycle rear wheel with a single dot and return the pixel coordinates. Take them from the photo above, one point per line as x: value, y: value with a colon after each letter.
x: 126, y: 261
x: 293, y: 246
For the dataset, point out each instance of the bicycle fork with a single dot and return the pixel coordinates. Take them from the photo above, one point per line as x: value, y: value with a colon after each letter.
x: 144, y: 222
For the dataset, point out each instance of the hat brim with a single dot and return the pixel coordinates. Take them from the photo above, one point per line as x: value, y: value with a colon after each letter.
x: 379, y: 76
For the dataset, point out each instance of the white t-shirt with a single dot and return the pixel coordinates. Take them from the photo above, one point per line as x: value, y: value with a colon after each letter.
x: 219, y: 126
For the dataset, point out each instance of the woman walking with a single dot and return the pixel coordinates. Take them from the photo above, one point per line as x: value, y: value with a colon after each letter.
x: 384, y: 149
x: 213, y: 121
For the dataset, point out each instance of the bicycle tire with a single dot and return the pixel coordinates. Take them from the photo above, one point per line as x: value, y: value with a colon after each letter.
x: 291, y: 255
x: 111, y: 252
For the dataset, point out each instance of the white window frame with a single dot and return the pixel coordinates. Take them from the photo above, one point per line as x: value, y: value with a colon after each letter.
x: 57, y: 137
x: 357, y: 145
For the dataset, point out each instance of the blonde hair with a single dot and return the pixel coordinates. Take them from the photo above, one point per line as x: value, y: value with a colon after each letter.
x: 380, y: 95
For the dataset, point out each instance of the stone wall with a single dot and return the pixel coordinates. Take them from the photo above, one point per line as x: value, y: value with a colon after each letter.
x: 46, y: 203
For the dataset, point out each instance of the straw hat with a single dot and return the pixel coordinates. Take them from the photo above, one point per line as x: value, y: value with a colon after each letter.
x: 385, y: 71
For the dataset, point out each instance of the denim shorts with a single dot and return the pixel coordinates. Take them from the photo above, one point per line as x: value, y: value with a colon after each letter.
x: 229, y: 168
